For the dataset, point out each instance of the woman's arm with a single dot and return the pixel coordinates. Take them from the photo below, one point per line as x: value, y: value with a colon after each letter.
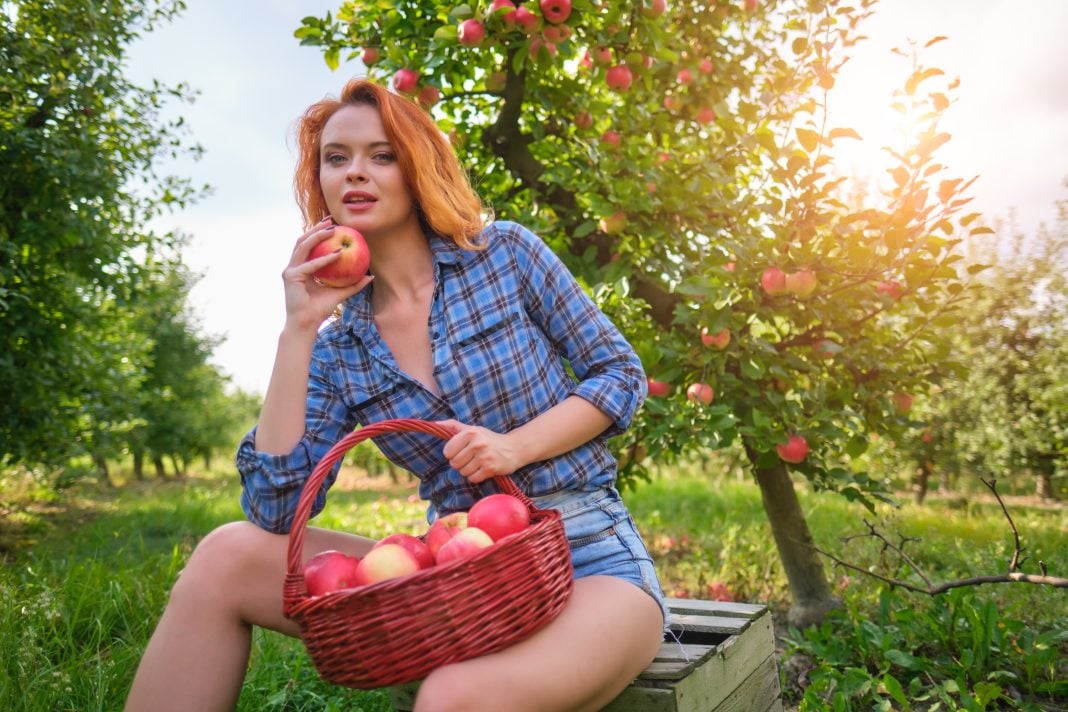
x: 478, y: 453
x: 308, y: 304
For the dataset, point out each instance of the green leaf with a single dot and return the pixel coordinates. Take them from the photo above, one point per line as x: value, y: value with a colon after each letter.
x: 893, y: 688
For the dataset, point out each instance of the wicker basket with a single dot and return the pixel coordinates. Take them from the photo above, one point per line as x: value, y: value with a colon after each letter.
x: 399, y: 630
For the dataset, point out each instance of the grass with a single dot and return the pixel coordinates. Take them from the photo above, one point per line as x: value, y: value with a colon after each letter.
x: 86, y: 573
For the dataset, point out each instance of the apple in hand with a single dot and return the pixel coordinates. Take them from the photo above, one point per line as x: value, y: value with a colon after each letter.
x: 465, y: 543
x: 795, y: 449
x: 350, y: 267
x: 444, y: 529
x: 330, y: 571
x: 499, y: 515
x: 415, y: 546
x: 385, y: 562
x: 700, y: 393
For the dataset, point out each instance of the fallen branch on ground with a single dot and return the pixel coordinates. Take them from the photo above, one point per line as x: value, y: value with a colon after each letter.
x: 1013, y: 575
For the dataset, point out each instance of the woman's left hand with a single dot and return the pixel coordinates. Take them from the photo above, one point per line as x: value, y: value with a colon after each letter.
x: 478, y: 453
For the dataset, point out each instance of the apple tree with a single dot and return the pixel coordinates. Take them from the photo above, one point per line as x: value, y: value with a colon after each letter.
x: 678, y: 158
x: 80, y: 145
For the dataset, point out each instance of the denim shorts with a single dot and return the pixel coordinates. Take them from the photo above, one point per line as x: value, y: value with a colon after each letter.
x: 604, y: 540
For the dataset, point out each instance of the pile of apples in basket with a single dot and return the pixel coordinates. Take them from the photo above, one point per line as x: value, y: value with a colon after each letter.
x: 452, y: 537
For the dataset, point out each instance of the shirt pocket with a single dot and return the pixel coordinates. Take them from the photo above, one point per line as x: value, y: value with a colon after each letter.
x: 501, y: 365
x: 377, y: 400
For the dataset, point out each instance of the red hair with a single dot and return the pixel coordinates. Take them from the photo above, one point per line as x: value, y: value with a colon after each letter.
x: 439, y: 186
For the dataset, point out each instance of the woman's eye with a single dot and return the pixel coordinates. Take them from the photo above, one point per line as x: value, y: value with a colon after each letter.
x: 335, y: 159
x: 384, y: 157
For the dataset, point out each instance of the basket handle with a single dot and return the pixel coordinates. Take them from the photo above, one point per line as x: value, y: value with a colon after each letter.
x: 322, y: 469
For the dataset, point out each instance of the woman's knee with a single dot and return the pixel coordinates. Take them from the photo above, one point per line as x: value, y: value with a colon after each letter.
x: 448, y: 689
x: 223, y: 558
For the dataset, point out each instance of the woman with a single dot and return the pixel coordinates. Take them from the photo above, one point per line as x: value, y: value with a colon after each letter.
x: 462, y: 323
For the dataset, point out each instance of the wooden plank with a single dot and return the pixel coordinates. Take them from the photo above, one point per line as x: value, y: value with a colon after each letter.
x: 720, y: 608
x: 706, y: 623
x: 710, y: 684
x: 643, y: 699
x: 757, y: 692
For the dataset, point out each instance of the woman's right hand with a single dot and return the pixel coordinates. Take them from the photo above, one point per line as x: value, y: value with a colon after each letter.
x: 309, y: 302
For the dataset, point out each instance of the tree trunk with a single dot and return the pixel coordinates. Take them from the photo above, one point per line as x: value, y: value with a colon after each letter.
x: 920, y: 481
x: 1044, y: 486
x: 157, y: 460
x: 139, y: 465
x: 809, y: 588
x: 102, y: 470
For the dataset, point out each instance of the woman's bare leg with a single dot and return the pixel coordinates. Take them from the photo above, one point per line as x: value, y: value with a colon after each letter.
x: 608, y: 632
x: 198, y: 654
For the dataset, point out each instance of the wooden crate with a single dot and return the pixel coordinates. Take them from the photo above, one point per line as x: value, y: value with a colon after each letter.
x: 723, y: 661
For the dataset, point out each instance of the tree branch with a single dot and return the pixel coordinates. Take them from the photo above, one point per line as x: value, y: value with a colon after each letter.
x: 1012, y: 576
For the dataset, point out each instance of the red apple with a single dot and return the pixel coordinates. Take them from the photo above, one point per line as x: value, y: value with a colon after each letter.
x: 350, y: 267
x: 369, y: 56
x: 719, y: 340
x: 405, y: 80
x: 706, y: 115
x: 505, y: 9
x: 603, y: 55
x: 825, y: 348
x: 891, y: 288
x: 926, y: 436
x: 385, y: 562
x: 659, y: 389
x: 429, y: 95
x: 415, y: 546
x: 902, y: 402
x: 751, y: 5
x: 499, y: 515
x: 584, y: 119
x: 555, y: 11
x: 444, y: 529
x: 730, y: 266
x: 527, y: 20
x: 330, y: 571
x: 613, y: 223
x: 612, y: 138
x: 496, y: 81
x: 773, y: 280
x: 655, y: 8
x: 705, y: 66
x: 470, y: 33
x: 619, y: 77
x: 465, y: 543
x: 700, y: 393
x: 801, y: 283
x: 685, y: 76
x: 671, y: 102
x: 795, y: 449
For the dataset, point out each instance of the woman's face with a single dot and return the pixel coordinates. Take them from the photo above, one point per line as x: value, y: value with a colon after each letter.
x: 359, y: 175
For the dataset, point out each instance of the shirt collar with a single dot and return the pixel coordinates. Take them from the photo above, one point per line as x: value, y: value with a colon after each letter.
x: 356, y: 313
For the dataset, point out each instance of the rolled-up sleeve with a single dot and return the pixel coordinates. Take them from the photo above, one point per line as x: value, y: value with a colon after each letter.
x: 609, y: 372
x: 271, y: 485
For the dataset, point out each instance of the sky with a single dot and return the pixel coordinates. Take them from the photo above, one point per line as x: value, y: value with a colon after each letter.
x: 1009, y: 127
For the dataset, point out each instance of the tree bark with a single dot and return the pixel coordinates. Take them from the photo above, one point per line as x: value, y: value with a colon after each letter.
x: 102, y: 470
x: 920, y: 481
x: 161, y: 472
x: 809, y: 588
x: 139, y: 465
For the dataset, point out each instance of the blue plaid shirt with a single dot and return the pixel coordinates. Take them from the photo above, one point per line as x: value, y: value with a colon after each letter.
x: 505, y: 324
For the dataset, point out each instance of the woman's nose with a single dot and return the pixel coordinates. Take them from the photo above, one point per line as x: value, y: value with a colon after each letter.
x: 356, y: 172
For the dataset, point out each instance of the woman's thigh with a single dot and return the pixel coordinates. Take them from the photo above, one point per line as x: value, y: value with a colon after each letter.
x: 606, y: 634
x: 243, y: 568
